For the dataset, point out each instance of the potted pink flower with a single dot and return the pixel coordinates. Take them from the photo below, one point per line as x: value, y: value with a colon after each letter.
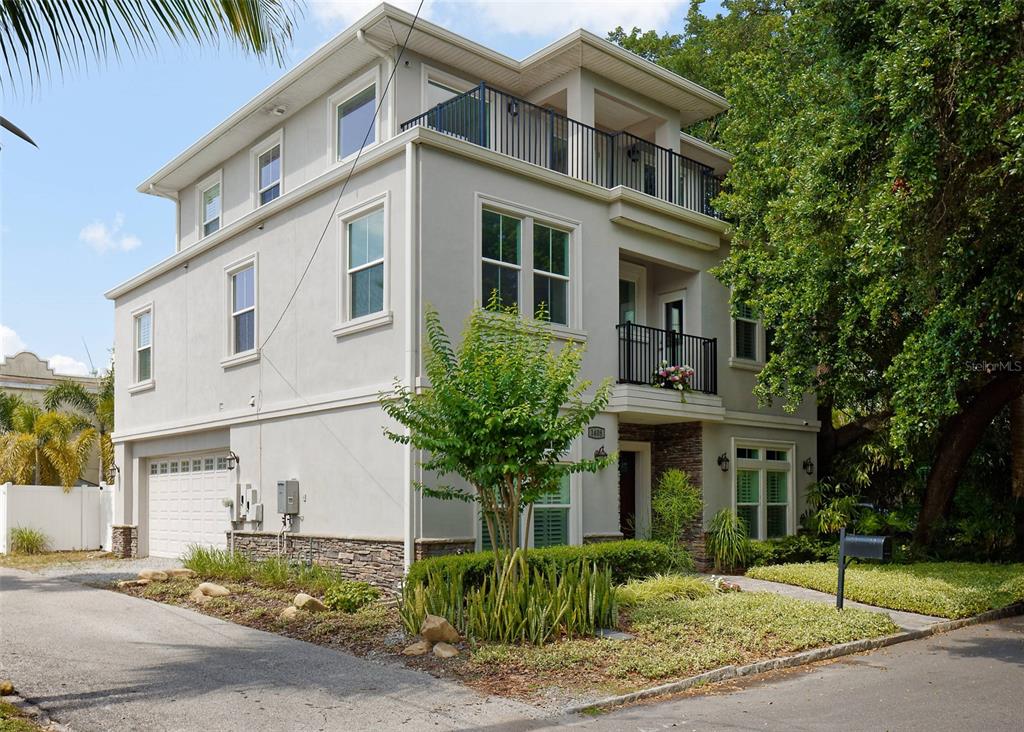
x: 676, y: 377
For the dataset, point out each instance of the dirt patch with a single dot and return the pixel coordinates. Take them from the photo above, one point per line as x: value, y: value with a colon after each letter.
x: 47, y: 560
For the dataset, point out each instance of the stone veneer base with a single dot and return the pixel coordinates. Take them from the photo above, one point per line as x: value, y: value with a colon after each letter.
x: 124, y: 542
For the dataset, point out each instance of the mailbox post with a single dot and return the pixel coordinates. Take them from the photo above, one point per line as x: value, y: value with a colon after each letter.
x: 858, y: 546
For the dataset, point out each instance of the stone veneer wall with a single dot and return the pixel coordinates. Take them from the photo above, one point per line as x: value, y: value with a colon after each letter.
x: 377, y: 561
x: 124, y: 542
x: 681, y: 446
x: 443, y: 547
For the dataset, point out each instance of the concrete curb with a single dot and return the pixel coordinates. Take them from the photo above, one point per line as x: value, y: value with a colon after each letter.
x: 799, y: 659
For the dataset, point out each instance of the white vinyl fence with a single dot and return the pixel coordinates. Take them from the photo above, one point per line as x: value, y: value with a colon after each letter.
x: 79, y: 519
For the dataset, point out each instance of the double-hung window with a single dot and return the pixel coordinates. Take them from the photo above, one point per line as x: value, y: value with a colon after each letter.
x: 551, y: 516
x: 210, y: 208
x: 501, y: 239
x: 268, y: 175
x: 356, y: 120
x: 365, y: 264
x: 551, y: 273
x: 745, y: 325
x: 763, y: 489
x: 143, y: 346
x: 243, y: 309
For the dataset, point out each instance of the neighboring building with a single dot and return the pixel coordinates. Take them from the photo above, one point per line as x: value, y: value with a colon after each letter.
x: 28, y: 376
x: 562, y: 178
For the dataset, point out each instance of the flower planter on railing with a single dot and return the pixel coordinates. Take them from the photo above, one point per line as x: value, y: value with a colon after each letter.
x: 644, y: 352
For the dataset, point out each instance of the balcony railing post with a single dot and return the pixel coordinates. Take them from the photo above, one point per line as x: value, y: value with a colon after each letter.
x: 482, y: 140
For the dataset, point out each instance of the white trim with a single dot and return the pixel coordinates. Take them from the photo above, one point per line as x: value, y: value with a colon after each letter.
x: 276, y: 139
x: 744, y: 364
x: 345, y: 322
x: 357, y: 85
x: 138, y: 385
x: 367, y: 322
x: 664, y: 299
x: 642, y: 488
x: 214, y: 179
x: 763, y: 465
x: 776, y: 421
x: 637, y: 274
x: 429, y: 73
x: 231, y: 358
x: 142, y: 386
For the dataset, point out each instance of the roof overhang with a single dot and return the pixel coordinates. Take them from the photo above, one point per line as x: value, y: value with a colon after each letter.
x: 388, y: 26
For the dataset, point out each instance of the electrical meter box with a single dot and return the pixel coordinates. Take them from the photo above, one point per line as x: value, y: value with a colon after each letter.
x: 288, y: 497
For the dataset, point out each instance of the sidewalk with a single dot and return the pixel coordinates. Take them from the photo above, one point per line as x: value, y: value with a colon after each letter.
x: 905, y: 620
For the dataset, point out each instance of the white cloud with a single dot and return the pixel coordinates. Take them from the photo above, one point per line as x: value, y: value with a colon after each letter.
x: 67, y: 365
x: 10, y: 342
x: 106, y: 238
x: 345, y: 12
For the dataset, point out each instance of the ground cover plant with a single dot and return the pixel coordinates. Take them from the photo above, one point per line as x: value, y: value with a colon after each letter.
x: 36, y: 562
x: 943, y: 589
x: 276, y: 572
x: 26, y: 540
x: 13, y: 719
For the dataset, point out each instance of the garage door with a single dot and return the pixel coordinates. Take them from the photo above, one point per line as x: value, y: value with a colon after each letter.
x: 186, y: 502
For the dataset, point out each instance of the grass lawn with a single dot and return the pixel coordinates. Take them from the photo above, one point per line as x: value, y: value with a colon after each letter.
x: 13, y: 720
x: 676, y: 635
x: 943, y: 589
x: 35, y: 562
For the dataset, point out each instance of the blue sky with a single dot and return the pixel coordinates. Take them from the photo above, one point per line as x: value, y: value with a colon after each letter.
x: 72, y: 224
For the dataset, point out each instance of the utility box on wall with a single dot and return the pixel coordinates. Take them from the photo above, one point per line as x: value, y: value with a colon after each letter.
x: 288, y: 497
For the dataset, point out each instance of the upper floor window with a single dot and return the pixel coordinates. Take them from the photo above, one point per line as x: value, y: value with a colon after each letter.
x: 143, y: 326
x: 268, y: 174
x: 210, y: 205
x: 243, y: 309
x: 356, y: 122
x: 501, y: 237
x: 551, y: 273
x: 365, y: 264
x: 745, y: 326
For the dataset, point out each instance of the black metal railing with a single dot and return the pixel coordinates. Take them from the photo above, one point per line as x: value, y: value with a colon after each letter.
x: 538, y: 135
x: 643, y: 350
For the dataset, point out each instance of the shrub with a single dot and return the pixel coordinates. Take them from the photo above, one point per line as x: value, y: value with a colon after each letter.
x: 28, y: 541
x: 791, y: 550
x: 675, y: 506
x: 218, y: 563
x: 221, y: 564
x: 348, y: 596
x: 727, y: 541
x: 661, y: 588
x: 631, y: 559
x: 517, y: 603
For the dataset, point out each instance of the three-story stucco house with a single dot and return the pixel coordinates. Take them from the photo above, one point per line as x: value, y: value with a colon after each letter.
x: 254, y: 355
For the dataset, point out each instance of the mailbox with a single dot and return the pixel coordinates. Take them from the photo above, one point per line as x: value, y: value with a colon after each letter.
x: 862, y: 546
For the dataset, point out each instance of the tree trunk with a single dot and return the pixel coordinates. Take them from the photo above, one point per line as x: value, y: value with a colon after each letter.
x: 957, y: 441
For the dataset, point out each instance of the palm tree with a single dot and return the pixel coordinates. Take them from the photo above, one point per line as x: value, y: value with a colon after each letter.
x: 8, y: 403
x: 44, y: 447
x: 97, y: 407
x: 39, y: 38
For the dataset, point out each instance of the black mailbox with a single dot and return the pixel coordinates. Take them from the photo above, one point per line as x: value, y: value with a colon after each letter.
x: 862, y: 546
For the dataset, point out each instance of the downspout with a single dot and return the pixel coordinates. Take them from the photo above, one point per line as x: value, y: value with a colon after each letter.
x: 411, y: 334
x: 385, y: 53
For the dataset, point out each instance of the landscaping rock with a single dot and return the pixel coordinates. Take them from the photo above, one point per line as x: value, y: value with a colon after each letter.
x: 153, y: 574
x: 418, y: 648
x: 445, y: 650
x: 308, y: 603
x: 6, y: 688
x: 289, y: 613
x: 436, y: 630
x: 213, y: 590
x: 180, y: 572
x: 142, y: 582
x: 133, y: 583
x: 198, y: 596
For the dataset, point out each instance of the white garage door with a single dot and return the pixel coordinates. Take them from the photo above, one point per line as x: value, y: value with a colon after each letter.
x: 186, y: 502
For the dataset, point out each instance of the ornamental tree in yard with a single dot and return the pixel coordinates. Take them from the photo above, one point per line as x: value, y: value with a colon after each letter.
x: 501, y: 411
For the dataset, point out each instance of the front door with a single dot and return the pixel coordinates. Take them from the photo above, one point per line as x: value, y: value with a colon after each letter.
x: 627, y: 494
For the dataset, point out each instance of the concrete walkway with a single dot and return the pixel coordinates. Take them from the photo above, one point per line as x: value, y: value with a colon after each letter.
x: 905, y: 620
x: 98, y: 660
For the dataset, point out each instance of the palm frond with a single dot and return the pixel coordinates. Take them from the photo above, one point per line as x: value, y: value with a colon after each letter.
x: 67, y: 393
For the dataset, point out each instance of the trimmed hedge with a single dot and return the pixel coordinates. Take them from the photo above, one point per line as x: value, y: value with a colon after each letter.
x: 792, y: 550
x: 630, y: 559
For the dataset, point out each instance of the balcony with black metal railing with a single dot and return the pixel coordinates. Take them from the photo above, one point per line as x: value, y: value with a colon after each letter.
x: 644, y: 350
x: 512, y: 126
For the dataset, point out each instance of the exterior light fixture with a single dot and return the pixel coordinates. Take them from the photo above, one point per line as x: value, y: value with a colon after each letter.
x: 723, y: 462
x: 600, y: 453
x: 233, y: 460
x: 809, y: 466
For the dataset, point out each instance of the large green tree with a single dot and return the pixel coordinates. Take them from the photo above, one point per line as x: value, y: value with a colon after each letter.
x: 501, y: 412
x: 44, y: 447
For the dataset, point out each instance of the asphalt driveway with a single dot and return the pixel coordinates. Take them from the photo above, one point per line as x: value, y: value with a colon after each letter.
x: 99, y: 660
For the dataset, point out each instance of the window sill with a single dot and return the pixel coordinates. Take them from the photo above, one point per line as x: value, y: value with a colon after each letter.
x: 745, y: 364
x: 239, y: 358
x: 565, y: 333
x: 366, y: 322
x: 142, y: 386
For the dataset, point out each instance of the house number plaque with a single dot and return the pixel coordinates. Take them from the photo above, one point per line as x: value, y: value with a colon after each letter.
x: 595, y: 433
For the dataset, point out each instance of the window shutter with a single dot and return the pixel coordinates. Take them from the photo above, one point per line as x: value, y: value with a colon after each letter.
x: 550, y: 526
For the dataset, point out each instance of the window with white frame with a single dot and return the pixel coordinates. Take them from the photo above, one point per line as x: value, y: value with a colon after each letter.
x: 501, y: 244
x: 551, y: 273
x: 745, y: 332
x: 243, y: 309
x: 365, y: 263
x: 764, y: 489
x: 210, y: 208
x: 355, y: 119
x: 268, y: 175
x: 550, y: 522
x: 143, y: 325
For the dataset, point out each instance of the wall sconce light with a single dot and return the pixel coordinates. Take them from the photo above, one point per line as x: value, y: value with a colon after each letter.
x: 233, y: 460
x: 809, y: 466
x: 723, y: 462
x: 600, y: 453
